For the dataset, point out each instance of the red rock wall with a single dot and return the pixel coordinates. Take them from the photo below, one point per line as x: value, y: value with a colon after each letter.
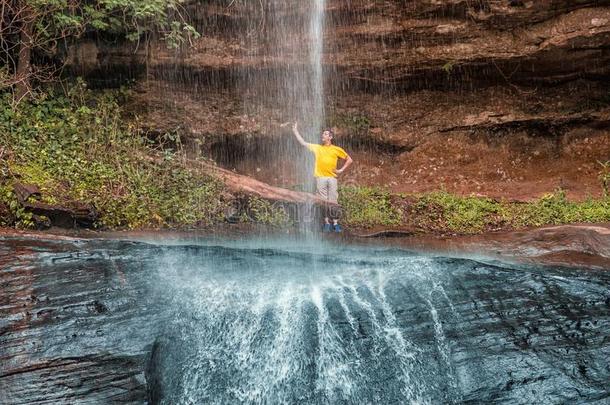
x: 476, y: 96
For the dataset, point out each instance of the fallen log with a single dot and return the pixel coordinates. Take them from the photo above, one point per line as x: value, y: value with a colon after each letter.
x: 77, y: 214
x: 68, y: 215
x: 238, y: 183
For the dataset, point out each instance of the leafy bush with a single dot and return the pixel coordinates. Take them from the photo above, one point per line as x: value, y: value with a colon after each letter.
x: 456, y: 213
x: 441, y: 211
x: 556, y: 209
x: 77, y: 147
x: 368, y: 206
x: 260, y: 210
x: 19, y: 217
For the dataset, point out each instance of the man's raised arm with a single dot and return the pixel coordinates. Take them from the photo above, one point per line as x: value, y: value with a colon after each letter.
x: 295, y: 131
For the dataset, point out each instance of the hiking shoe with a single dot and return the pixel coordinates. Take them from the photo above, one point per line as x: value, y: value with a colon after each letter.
x: 338, y: 228
x: 326, y: 228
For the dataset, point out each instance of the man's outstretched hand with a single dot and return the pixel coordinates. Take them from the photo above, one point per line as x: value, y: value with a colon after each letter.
x: 295, y: 131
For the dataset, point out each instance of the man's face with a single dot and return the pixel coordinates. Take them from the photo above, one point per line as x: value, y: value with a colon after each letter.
x: 326, y: 136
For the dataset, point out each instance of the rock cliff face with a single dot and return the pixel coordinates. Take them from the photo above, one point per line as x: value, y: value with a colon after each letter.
x: 502, y: 97
x: 58, y: 346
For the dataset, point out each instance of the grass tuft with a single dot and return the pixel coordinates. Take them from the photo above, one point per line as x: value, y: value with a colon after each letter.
x: 368, y: 206
x: 443, y: 212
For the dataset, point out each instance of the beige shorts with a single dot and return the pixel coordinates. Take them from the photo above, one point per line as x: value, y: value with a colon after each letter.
x: 326, y: 188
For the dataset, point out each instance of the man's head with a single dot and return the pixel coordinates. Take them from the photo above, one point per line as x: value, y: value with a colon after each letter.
x: 327, y: 136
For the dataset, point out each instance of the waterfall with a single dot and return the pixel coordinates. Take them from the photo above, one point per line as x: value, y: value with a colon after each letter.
x: 285, y: 42
x: 317, y: 76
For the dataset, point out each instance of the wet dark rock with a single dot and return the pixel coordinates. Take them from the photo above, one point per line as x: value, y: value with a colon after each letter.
x: 111, y: 321
x: 59, y: 340
x: 585, y: 246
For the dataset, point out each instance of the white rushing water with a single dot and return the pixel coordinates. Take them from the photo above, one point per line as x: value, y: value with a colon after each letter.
x: 287, y: 322
x: 296, y: 326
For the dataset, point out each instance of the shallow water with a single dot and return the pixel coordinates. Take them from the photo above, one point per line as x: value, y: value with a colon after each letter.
x: 301, y: 322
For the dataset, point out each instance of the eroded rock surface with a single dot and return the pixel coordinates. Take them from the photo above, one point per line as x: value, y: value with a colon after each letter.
x: 76, y: 321
x: 279, y: 320
x: 582, y: 246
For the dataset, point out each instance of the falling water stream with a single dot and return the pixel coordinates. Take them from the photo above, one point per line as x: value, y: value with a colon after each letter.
x: 285, y: 45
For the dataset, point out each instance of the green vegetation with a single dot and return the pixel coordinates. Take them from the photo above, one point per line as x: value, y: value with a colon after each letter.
x: 76, y: 147
x: 441, y: 210
x: 46, y: 27
x: 476, y: 214
x: 448, y: 67
x: 556, y: 209
x: 369, y: 206
x: 444, y: 212
x: 265, y: 212
x: 18, y: 216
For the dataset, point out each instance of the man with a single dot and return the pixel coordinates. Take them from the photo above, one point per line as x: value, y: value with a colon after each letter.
x: 326, y: 170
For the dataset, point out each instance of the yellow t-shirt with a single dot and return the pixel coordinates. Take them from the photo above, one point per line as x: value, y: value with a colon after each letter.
x: 326, y: 159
